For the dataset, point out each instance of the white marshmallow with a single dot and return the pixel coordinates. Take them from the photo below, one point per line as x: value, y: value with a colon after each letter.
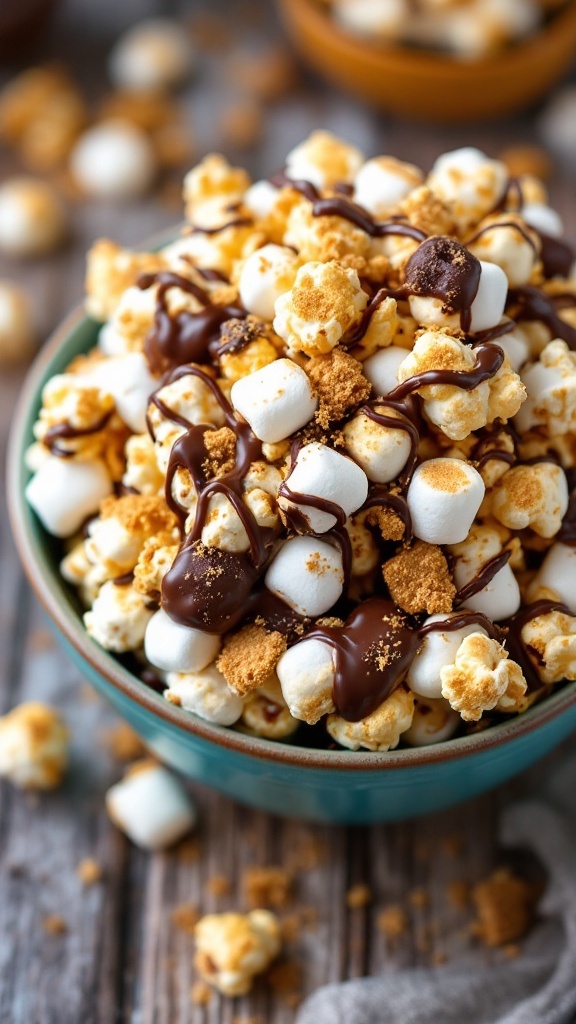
x: 323, y: 473
x: 515, y: 347
x: 151, y: 806
x: 551, y: 391
x: 307, y: 574
x: 558, y: 573
x: 382, y: 17
x: 113, y: 160
x: 154, y: 54
x: 276, y: 400
x: 265, y: 276
x: 488, y: 306
x: 437, y: 651
x: 382, y: 183
x: 443, y: 498
x: 176, y: 648
x: 382, y: 452
x: 500, y: 598
x: 129, y: 381
x: 544, y: 219
x: 260, y: 199
x: 381, y: 369
x: 206, y: 694
x: 471, y: 182
x: 64, y: 492
x: 306, y: 674
x: 434, y: 721
x: 323, y: 159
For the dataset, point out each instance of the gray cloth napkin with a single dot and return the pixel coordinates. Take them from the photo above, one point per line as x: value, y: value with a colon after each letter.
x: 537, y: 988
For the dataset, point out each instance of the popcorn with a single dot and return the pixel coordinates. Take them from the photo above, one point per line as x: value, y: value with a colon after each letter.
x: 556, y: 578
x: 550, y: 640
x: 534, y: 496
x: 482, y: 678
x: 443, y: 498
x: 324, y: 238
x: 205, y: 693
x: 437, y: 651
x: 64, y: 492
x: 506, y: 240
x: 323, y: 160
x: 117, y: 536
x: 379, y: 731
x: 16, y: 330
x: 276, y: 400
x: 154, y: 54
x: 110, y: 270
x: 469, y: 182
x: 212, y: 179
x: 151, y: 806
x: 320, y: 472
x: 500, y: 598
x: 382, y: 183
x: 265, y: 714
x: 113, y: 160
x: 434, y: 721
x: 153, y: 563
x: 306, y: 674
x: 325, y: 301
x: 118, y: 618
x: 33, y: 746
x: 231, y: 949
x: 142, y: 473
x: 31, y: 218
x: 265, y: 276
x: 381, y: 451
x: 551, y: 387
x: 307, y: 574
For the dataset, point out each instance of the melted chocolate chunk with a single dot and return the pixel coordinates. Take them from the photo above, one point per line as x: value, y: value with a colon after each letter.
x: 444, y: 269
x: 208, y: 588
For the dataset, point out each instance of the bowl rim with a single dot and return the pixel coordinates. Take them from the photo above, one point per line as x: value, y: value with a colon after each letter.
x: 25, y: 529
x: 410, y: 59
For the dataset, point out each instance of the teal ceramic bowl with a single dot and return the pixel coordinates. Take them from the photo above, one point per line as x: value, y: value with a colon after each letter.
x: 320, y: 785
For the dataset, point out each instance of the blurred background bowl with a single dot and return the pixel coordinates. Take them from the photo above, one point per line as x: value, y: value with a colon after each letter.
x: 433, y: 86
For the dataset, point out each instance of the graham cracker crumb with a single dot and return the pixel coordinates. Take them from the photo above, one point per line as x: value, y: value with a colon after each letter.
x: 218, y: 885
x: 221, y: 448
x: 292, y: 925
x: 392, y: 921
x: 89, y: 871
x: 185, y: 917
x: 458, y: 894
x: 123, y: 743
x: 389, y: 523
x: 505, y: 907
x: 339, y: 383
x: 418, y: 897
x: 188, y: 850
x: 54, y: 924
x: 267, y: 886
x: 249, y: 657
x: 310, y: 853
x: 139, y: 513
x: 419, y: 580
x: 359, y: 896
x: 200, y: 993
x: 445, y: 475
x: 285, y: 979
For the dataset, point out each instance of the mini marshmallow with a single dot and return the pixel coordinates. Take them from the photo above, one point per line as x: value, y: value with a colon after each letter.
x: 307, y: 574
x: 260, y: 199
x: 324, y: 160
x: 515, y: 347
x: 470, y: 182
x: 434, y: 721
x: 382, y: 452
x: 33, y: 746
x: 556, y: 576
x: 438, y: 650
x: 488, y: 306
x: 372, y: 17
x: 383, y: 182
x: 551, y: 386
x: 306, y: 674
x: 151, y: 806
x: 379, y: 731
x: 504, y: 240
x: 276, y: 400
x: 176, y: 648
x: 118, y: 618
x: 64, y: 492
x: 265, y: 276
x: 31, y: 217
x: 323, y: 473
x: 129, y: 381
x: 113, y: 160
x: 500, y: 598
x: 205, y: 693
x: 154, y: 54
x: 544, y: 219
x: 443, y: 498
x: 381, y: 369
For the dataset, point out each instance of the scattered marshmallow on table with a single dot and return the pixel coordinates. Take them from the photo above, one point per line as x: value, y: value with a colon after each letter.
x: 323, y: 473
x: 154, y: 54
x: 113, y: 160
x: 434, y: 721
x: 265, y: 276
x: 151, y: 806
x: 306, y: 674
x: 307, y: 574
x: 176, y: 648
x: 64, y: 492
x: 443, y: 498
x: 437, y: 651
x: 33, y: 746
x: 276, y: 400
x: 205, y: 693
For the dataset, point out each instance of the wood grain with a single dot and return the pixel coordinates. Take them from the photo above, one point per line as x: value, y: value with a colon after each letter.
x: 121, y: 959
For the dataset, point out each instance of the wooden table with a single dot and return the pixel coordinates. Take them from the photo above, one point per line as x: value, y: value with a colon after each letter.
x: 121, y: 959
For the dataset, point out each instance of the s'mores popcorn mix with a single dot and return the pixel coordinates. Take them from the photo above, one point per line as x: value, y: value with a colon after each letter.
x: 316, y: 478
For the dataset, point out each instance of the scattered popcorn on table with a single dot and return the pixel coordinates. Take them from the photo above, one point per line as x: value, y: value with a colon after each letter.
x: 231, y: 949
x: 33, y: 746
x: 318, y: 470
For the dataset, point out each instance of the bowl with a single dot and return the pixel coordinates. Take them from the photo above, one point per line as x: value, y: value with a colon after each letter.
x: 320, y: 785
x: 432, y: 86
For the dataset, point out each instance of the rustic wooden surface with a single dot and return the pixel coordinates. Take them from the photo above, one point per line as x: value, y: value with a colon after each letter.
x: 121, y: 959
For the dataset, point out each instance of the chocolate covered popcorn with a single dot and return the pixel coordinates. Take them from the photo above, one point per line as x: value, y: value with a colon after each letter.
x: 317, y: 474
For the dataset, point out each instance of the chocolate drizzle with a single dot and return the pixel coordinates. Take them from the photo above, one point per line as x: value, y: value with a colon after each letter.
x: 567, y: 532
x: 489, y: 359
x: 533, y: 304
x: 485, y: 576
x: 520, y: 652
x: 66, y: 432
x: 459, y: 620
x: 520, y: 228
x: 403, y: 419
x: 182, y: 337
x: 557, y: 256
x: 238, y: 222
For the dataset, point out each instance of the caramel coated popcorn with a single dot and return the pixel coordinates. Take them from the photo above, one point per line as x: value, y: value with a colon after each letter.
x: 318, y: 469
